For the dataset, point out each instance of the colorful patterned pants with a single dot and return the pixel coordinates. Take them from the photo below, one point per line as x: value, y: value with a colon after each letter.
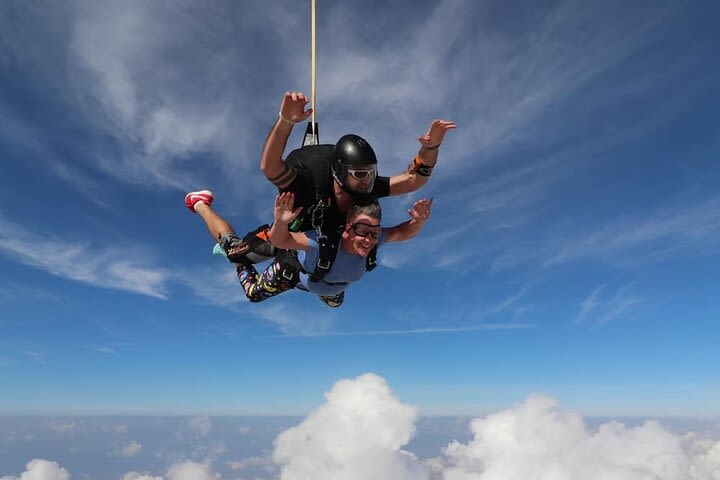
x: 274, y: 280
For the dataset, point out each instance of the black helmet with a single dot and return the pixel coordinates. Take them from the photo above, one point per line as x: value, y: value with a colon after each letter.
x: 351, y: 150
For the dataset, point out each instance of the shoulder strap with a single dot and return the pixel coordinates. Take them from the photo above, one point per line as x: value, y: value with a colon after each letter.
x: 327, y: 252
x: 371, y: 259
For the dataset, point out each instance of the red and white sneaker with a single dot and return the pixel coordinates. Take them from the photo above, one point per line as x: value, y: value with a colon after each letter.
x: 192, y: 198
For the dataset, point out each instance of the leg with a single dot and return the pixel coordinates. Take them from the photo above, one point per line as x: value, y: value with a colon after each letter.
x: 216, y: 225
x: 276, y: 279
x: 200, y: 202
x: 254, y: 248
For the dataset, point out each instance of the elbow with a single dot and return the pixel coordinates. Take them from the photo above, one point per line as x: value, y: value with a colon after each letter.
x: 279, y: 241
x: 264, y: 168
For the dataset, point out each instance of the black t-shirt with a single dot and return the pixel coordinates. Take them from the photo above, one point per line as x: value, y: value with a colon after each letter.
x: 314, y: 177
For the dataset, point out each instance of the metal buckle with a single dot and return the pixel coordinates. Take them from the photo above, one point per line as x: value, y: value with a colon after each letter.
x: 285, y: 276
x: 323, y: 264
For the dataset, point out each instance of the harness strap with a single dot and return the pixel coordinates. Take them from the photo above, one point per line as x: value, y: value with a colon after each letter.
x: 327, y: 252
x: 371, y: 259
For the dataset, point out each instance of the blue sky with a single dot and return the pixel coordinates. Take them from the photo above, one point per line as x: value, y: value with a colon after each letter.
x: 572, y: 250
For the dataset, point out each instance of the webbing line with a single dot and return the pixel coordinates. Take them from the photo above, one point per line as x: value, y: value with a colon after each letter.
x: 312, y: 62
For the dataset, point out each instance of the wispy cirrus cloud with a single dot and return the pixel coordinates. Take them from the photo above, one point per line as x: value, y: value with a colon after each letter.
x: 290, y: 322
x: 107, y: 267
x: 104, y: 349
x: 660, y: 233
x: 633, y: 238
x: 415, y: 331
x: 602, y: 306
x: 500, y: 82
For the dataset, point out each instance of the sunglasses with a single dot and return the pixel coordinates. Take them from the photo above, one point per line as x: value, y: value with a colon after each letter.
x: 362, y: 174
x: 363, y: 230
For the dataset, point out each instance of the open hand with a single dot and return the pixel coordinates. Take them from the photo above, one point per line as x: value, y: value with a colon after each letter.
x: 420, y: 211
x: 284, y: 212
x: 293, y: 107
x: 436, y: 132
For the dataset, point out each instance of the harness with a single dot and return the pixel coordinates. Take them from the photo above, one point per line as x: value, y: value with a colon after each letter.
x: 327, y: 253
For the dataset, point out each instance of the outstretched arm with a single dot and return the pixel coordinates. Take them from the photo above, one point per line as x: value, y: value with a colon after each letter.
x: 419, y: 213
x: 418, y: 172
x: 292, y: 111
x: 279, y: 234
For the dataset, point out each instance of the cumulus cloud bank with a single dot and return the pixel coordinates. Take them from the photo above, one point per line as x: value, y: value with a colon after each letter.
x: 361, y: 430
x: 537, y: 440
x: 40, y: 469
x: 357, y: 434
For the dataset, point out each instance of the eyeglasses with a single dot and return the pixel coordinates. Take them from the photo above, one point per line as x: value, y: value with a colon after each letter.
x: 363, y: 230
x: 362, y: 174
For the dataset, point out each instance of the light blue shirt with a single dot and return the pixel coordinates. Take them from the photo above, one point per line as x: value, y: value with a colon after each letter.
x: 345, y: 269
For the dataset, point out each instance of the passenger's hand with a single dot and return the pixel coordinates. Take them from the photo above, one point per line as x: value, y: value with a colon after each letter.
x: 436, y: 132
x: 292, y: 108
x: 284, y: 212
x: 420, y: 211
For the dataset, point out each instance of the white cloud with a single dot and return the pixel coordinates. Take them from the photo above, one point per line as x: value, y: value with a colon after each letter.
x: 62, y: 427
x: 537, y: 440
x: 216, y: 284
x: 357, y: 434
x: 140, y: 476
x: 361, y: 429
x: 415, y: 331
x: 39, y: 469
x: 132, y: 449
x: 628, y: 240
x: 191, y: 471
x: 589, y: 305
x: 600, y: 309
x: 107, y: 350
x: 178, y: 471
x: 122, y: 428
x: 646, y: 235
x: 201, y: 426
x: 109, y: 267
x: 289, y: 321
x: 158, y: 105
x: 264, y: 462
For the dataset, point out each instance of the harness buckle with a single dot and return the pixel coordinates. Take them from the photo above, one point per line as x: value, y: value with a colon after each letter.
x: 288, y: 275
x: 323, y: 264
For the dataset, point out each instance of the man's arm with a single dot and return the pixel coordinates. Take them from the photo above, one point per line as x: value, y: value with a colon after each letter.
x: 292, y: 111
x: 418, y: 172
x: 279, y: 234
x: 419, y: 213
